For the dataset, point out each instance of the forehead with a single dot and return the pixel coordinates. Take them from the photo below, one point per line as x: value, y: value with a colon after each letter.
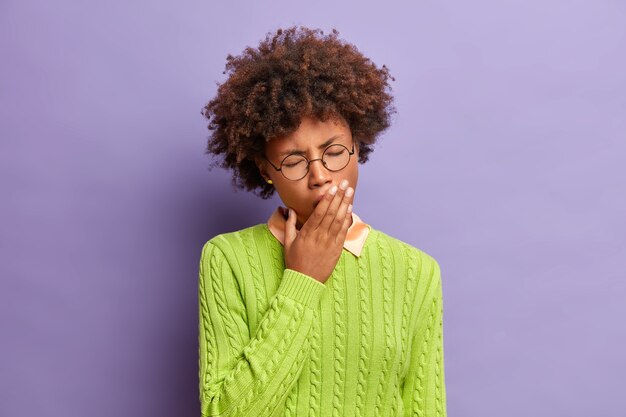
x: 311, y: 134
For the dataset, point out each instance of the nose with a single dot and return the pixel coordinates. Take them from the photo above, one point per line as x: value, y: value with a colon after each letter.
x: 318, y: 174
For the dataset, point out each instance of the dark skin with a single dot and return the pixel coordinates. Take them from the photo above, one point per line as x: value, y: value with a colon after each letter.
x: 314, y: 233
x: 315, y: 249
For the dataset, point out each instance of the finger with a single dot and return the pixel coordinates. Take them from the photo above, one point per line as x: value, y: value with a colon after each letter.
x: 343, y: 232
x: 290, y: 228
x: 333, y: 215
x: 317, y: 216
x: 336, y: 225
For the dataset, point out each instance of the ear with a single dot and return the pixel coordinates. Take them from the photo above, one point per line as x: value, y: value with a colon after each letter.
x: 262, y: 166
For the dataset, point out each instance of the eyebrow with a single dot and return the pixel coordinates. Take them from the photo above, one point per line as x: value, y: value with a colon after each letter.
x: 322, y: 146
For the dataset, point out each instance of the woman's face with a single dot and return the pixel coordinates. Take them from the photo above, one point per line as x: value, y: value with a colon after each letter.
x: 311, y: 138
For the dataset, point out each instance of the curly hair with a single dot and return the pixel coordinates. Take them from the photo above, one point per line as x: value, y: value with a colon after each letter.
x: 293, y: 73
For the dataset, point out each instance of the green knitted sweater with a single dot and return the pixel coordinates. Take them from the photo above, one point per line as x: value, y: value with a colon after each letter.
x: 276, y: 342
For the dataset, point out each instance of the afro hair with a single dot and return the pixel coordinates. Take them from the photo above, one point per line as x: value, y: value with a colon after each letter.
x: 293, y: 73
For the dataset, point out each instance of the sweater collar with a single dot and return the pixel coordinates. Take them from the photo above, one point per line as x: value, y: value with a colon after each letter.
x: 355, y: 238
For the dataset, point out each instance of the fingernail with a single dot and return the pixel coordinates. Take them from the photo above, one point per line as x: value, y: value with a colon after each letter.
x: 343, y: 184
x: 350, y: 208
x: 349, y: 192
x: 333, y: 190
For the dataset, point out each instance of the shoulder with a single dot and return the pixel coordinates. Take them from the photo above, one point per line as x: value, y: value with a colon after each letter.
x: 230, y: 243
x: 414, y: 257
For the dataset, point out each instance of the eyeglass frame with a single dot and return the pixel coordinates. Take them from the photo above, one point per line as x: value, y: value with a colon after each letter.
x: 350, y: 153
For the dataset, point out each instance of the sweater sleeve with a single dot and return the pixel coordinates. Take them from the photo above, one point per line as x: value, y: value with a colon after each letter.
x: 242, y: 374
x: 424, y: 391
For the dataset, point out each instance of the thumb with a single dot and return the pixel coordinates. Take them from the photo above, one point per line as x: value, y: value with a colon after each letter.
x: 290, y: 228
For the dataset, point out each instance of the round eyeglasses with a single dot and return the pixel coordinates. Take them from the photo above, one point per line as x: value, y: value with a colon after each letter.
x: 294, y: 167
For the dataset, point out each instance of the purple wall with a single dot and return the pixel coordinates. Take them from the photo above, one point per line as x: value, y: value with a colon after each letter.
x: 505, y: 162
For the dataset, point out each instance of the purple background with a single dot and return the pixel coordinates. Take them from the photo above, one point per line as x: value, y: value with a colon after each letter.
x: 505, y: 162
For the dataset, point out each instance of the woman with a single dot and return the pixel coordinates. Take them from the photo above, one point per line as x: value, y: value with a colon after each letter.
x: 314, y: 313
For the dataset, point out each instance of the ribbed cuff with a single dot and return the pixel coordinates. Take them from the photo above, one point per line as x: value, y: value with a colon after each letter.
x: 300, y: 287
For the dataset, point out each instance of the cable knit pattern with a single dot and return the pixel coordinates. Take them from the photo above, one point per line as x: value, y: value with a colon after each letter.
x: 290, y: 404
x: 365, y: 334
x: 222, y: 307
x: 407, y: 305
x: 370, y: 337
x: 340, y: 335
x: 387, y: 320
x: 418, y: 397
x: 315, y: 377
x: 258, y: 278
x: 207, y: 343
